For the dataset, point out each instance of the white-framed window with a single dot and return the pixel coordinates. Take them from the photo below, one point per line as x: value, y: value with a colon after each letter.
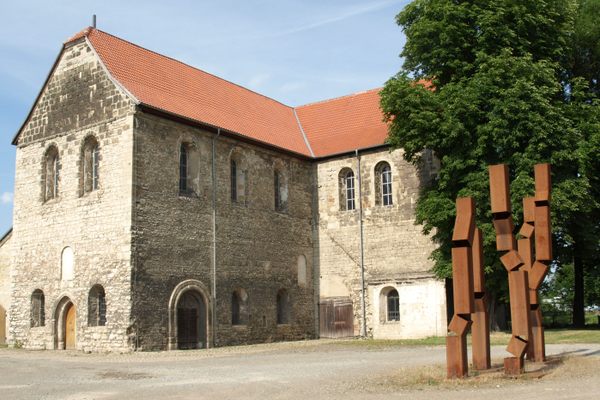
x: 347, y: 189
x: 383, y: 184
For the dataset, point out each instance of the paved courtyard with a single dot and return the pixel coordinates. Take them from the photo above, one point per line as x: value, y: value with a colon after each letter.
x: 301, y: 370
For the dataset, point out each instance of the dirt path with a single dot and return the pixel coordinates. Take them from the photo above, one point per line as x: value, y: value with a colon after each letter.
x: 305, y: 370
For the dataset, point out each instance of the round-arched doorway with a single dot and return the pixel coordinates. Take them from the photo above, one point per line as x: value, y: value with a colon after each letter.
x: 191, y: 321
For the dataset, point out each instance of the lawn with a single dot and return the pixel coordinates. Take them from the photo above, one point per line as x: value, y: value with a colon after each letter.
x: 552, y: 336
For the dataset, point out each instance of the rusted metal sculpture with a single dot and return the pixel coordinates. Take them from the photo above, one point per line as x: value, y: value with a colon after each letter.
x: 540, y: 205
x: 462, y: 281
x: 480, y: 330
x: 518, y: 282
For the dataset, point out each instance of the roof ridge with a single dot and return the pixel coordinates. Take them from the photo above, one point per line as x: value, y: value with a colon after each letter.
x: 339, y: 97
x: 312, y: 153
x: 91, y: 29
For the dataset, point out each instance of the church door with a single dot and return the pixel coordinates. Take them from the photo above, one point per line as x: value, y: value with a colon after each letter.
x: 191, y: 321
x: 70, y: 333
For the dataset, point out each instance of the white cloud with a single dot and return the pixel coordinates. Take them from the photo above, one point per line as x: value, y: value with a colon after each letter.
x: 257, y: 81
x: 6, y: 198
x: 348, y: 13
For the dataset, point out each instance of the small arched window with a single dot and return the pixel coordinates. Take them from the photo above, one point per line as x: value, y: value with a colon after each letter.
x: 183, y: 168
x: 67, y: 264
x: 239, y: 307
x: 283, y: 307
x: 346, y: 188
x: 383, y: 184
x: 50, y: 173
x: 90, y: 161
x: 393, y: 305
x: 97, y: 306
x: 38, y: 315
x: 234, y: 181
x: 280, y: 190
x: 302, y: 278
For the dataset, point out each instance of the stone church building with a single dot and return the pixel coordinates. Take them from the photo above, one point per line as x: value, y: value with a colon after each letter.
x: 160, y: 207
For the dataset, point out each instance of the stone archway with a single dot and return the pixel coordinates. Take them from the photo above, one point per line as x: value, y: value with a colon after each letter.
x: 65, y: 324
x: 189, y: 316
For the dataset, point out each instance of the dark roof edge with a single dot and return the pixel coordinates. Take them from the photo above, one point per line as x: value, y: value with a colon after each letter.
x: 213, y: 128
x: 350, y: 152
x: 6, y: 236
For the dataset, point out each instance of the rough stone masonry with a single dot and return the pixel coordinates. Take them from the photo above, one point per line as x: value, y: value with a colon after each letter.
x: 177, y: 264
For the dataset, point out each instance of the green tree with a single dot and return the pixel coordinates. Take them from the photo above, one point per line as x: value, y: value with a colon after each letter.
x: 512, y: 82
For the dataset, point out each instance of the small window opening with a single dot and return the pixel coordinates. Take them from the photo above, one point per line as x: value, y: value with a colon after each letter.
x: 393, y: 305
x: 38, y: 316
x: 283, y: 307
x: 97, y: 306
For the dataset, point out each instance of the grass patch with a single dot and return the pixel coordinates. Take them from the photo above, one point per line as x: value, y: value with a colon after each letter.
x: 552, y: 336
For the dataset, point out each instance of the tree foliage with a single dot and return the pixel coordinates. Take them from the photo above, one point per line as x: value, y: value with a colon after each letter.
x: 512, y: 82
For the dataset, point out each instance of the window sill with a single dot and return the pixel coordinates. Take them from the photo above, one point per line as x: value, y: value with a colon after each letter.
x: 240, y: 327
x: 186, y: 195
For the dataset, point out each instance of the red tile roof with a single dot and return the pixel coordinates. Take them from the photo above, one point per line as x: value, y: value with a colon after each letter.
x: 344, y: 124
x: 320, y: 129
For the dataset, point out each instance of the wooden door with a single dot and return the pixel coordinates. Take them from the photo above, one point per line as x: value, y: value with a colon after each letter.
x: 70, y: 332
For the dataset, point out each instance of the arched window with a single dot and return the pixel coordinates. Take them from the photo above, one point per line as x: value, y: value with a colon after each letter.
x: 234, y: 181
x: 393, y: 305
x: 183, y: 168
x: 96, y: 306
x: 283, y: 307
x: 346, y: 187
x: 90, y: 160
x: 38, y: 315
x: 302, y: 278
x: 383, y: 184
x: 67, y: 264
x: 280, y: 190
x: 277, y: 189
x: 239, y: 307
x: 50, y: 173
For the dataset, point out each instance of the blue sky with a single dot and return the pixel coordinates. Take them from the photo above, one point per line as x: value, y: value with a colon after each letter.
x: 296, y: 52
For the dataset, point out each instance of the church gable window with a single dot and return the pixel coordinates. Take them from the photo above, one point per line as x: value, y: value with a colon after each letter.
x: 51, y: 167
x: 90, y: 162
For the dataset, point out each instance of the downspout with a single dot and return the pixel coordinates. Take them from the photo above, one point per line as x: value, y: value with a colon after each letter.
x: 214, y: 242
x: 363, y: 329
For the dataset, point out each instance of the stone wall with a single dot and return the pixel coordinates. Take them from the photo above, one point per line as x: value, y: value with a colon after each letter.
x: 78, y: 100
x: 395, y: 250
x: 5, y: 260
x: 257, y: 247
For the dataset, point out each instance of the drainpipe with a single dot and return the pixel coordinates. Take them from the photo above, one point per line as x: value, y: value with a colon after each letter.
x: 214, y: 242
x: 363, y: 329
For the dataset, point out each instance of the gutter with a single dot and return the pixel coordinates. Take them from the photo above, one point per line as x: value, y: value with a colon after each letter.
x: 214, y: 241
x: 363, y: 328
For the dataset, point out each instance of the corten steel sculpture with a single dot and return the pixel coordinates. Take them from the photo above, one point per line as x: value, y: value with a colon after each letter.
x: 462, y: 281
x: 518, y: 284
x: 537, y: 210
x: 480, y: 330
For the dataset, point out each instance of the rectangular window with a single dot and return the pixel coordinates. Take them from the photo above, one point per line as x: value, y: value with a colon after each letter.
x: 350, y: 192
x: 234, y: 196
x: 277, y: 189
x: 95, y: 162
x: 386, y: 187
x: 183, y: 170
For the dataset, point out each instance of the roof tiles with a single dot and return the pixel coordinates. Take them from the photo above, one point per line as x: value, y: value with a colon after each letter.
x: 331, y: 127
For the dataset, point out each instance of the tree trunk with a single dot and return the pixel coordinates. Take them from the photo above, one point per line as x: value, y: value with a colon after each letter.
x: 578, y: 302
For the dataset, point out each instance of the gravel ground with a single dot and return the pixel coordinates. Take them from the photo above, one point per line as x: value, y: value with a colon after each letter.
x: 312, y: 369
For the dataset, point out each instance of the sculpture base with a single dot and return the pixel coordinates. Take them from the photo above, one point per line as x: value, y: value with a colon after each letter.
x: 513, y: 366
